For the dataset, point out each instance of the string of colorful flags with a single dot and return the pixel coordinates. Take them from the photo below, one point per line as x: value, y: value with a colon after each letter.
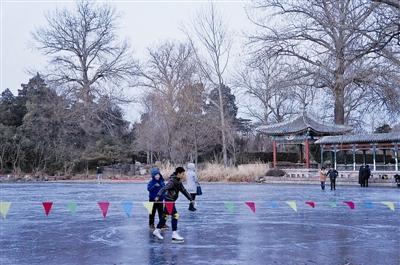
x: 229, y: 206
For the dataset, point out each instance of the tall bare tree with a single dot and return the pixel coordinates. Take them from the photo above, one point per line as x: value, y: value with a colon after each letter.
x: 87, y: 60
x: 170, y: 71
x: 214, y: 41
x: 330, y: 37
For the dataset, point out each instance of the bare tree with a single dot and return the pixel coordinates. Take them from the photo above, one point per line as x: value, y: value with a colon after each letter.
x: 269, y: 82
x: 170, y: 71
x: 329, y: 37
x: 87, y: 59
x: 213, y: 39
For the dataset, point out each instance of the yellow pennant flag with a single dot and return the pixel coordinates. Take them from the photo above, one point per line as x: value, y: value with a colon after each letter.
x: 389, y: 204
x: 292, y: 205
x: 4, y: 208
x: 149, y: 206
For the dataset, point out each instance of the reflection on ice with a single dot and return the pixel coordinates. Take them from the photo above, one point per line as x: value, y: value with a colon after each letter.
x: 214, y: 234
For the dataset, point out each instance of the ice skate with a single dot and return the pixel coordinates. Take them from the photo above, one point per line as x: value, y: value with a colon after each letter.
x: 157, y: 233
x: 176, y: 238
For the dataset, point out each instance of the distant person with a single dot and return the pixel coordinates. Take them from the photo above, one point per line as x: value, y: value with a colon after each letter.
x: 366, y: 175
x: 397, y: 179
x: 333, y: 174
x: 191, y: 184
x: 153, y: 187
x: 322, y: 177
x: 172, y: 189
x: 99, y: 173
x: 361, y: 176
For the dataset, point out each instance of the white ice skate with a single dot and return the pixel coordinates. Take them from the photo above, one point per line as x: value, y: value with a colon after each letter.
x: 157, y: 233
x: 176, y: 238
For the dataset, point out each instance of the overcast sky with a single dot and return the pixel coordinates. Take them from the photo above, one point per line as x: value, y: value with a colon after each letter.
x: 143, y: 24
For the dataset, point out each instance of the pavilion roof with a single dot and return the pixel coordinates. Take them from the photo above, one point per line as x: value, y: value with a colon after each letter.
x: 303, y: 123
x: 360, y: 138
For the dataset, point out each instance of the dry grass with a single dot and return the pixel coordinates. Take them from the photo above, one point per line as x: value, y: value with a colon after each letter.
x: 218, y: 173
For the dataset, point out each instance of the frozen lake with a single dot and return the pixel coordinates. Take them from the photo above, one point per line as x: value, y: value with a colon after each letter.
x: 213, y: 235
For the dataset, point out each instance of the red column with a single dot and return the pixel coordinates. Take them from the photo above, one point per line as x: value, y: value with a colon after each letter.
x: 307, y: 147
x: 274, y: 153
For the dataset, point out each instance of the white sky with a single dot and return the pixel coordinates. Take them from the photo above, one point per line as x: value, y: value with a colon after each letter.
x: 143, y: 24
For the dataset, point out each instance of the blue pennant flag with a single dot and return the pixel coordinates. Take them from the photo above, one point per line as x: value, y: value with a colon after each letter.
x: 368, y: 205
x: 128, y: 206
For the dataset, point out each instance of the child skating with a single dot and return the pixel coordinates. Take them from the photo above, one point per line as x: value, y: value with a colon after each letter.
x: 154, y: 186
x: 171, y: 190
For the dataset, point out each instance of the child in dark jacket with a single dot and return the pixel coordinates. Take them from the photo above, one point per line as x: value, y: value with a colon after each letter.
x: 154, y: 186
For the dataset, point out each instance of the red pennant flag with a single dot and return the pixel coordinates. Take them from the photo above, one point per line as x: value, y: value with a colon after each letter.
x: 252, y: 206
x: 350, y: 204
x: 312, y: 204
x: 47, y: 207
x: 169, y: 206
x: 104, y: 208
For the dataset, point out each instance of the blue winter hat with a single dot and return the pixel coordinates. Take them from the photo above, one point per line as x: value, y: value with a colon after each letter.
x: 154, y: 172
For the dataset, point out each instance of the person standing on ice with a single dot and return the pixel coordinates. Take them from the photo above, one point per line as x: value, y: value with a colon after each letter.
x: 191, y: 184
x: 322, y: 177
x: 333, y: 174
x: 154, y: 186
x: 172, y: 189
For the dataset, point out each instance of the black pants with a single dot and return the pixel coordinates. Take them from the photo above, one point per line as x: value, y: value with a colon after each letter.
x: 333, y: 184
x: 323, y: 185
x: 174, y: 220
x: 157, y: 207
x: 366, y: 182
x: 193, y: 198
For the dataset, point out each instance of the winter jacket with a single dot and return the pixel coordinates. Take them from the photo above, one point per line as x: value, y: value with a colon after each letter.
x: 366, y: 172
x: 191, y: 178
x: 172, y: 189
x: 322, y: 175
x: 332, y: 173
x: 154, y: 186
x: 361, y: 175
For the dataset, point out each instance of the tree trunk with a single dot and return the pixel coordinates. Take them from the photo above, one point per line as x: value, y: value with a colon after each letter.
x: 339, y: 105
x: 221, y: 111
x: 338, y: 87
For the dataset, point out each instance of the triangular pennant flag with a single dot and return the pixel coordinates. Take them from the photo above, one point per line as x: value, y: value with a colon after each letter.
x: 170, y: 207
x: 72, y: 207
x: 4, y: 208
x: 312, y: 204
x: 128, y: 206
x: 47, y: 207
x: 389, y: 204
x: 368, y: 205
x: 274, y: 205
x: 292, y: 205
x: 252, y: 206
x: 104, y: 208
x: 332, y: 204
x: 350, y: 204
x: 148, y: 206
x: 230, y: 206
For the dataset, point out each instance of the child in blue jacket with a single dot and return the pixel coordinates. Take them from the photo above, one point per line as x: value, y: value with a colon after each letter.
x: 154, y: 186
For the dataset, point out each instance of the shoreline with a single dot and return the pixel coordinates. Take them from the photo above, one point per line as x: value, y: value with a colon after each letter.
x: 266, y: 181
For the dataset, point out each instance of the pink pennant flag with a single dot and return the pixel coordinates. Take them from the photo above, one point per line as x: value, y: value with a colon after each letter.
x: 252, y: 206
x: 169, y: 206
x: 350, y: 204
x: 312, y: 204
x: 47, y: 207
x: 104, y: 208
